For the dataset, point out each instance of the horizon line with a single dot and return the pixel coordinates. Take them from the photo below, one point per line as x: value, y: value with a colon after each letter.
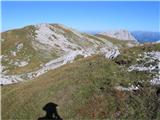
x: 110, y: 29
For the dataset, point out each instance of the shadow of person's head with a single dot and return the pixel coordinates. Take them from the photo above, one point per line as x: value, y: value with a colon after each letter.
x: 50, y: 108
x: 51, y: 112
x: 158, y: 92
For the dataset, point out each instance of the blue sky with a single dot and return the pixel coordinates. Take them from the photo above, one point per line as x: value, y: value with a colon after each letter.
x: 84, y: 16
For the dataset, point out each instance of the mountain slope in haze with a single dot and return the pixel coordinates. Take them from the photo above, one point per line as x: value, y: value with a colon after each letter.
x: 121, y: 44
x: 33, y: 50
x: 120, y: 34
x: 92, y: 88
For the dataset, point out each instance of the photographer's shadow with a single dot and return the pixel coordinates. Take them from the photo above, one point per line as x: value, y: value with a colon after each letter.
x: 51, y: 112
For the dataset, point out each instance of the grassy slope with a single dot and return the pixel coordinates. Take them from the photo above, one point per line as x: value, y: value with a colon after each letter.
x: 14, y: 37
x: 83, y: 90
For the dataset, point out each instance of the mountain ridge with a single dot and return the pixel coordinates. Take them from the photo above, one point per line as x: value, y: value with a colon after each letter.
x: 31, y: 51
x: 53, y: 44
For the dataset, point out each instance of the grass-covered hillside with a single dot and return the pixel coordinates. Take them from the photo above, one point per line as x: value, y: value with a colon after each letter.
x: 88, y: 89
x: 28, y: 49
x: 33, y: 50
x: 17, y: 49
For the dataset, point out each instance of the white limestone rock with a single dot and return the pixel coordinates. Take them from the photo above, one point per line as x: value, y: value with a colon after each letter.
x: 19, y: 46
x: 13, y: 53
x: 131, y: 88
x: 21, y: 63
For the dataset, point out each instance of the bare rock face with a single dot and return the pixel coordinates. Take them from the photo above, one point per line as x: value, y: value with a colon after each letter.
x: 120, y: 34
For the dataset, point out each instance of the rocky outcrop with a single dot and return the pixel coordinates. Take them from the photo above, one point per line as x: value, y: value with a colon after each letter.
x: 150, y: 62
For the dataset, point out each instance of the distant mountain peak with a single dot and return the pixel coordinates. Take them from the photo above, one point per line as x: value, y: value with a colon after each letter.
x: 121, y: 34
